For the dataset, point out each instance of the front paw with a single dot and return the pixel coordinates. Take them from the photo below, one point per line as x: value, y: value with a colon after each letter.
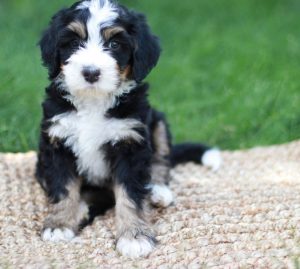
x: 57, y: 234
x: 140, y: 245
x: 161, y: 195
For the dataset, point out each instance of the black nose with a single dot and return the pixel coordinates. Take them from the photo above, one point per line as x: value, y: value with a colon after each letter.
x: 91, y: 74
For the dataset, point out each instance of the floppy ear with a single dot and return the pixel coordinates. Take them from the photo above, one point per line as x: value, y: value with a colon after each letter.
x: 48, y: 45
x: 146, y: 48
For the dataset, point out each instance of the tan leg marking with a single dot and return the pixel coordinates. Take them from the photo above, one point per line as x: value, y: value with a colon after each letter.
x: 160, y: 170
x: 160, y: 194
x: 134, y: 236
x: 161, y: 141
x: 64, y: 217
x: 160, y: 166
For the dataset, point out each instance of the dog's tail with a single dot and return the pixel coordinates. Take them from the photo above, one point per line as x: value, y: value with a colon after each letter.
x: 198, y: 153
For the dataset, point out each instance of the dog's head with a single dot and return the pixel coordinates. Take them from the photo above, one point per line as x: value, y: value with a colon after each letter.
x: 97, y: 44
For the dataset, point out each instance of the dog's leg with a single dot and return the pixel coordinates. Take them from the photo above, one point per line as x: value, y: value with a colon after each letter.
x: 160, y: 194
x: 57, y: 175
x: 134, y: 236
x: 130, y: 162
x: 64, y: 217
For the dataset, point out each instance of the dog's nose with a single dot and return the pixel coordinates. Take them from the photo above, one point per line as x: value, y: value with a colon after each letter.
x: 91, y: 74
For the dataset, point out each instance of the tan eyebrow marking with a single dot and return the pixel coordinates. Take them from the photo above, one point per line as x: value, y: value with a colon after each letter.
x: 110, y: 32
x: 78, y: 28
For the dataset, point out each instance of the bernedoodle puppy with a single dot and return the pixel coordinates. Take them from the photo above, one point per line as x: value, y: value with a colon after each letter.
x: 101, y: 143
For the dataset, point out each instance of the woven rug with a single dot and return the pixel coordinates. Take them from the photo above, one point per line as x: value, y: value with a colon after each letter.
x: 246, y: 215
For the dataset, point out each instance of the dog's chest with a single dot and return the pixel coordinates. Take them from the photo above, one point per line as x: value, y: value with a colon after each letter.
x: 85, y: 132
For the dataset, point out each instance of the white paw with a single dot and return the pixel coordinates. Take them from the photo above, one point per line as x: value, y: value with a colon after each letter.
x: 57, y: 235
x: 135, y: 247
x: 212, y: 159
x: 161, y: 195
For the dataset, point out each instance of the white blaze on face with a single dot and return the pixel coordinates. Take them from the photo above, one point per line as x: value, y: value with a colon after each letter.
x: 102, y: 14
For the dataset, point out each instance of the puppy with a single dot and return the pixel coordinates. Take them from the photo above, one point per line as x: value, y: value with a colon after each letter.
x: 101, y: 143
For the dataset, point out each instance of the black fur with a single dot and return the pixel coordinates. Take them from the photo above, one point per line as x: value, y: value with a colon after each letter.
x: 146, y: 46
x: 49, y: 42
x: 187, y: 152
x: 56, y: 165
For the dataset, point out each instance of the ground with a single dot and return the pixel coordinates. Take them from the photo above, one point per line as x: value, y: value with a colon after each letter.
x: 228, y: 75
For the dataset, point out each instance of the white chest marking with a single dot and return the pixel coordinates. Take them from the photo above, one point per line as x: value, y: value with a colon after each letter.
x: 85, y: 132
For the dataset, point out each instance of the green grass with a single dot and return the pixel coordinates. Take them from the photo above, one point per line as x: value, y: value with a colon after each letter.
x: 228, y: 75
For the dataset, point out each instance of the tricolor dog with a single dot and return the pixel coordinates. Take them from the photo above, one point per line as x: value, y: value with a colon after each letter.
x: 101, y: 142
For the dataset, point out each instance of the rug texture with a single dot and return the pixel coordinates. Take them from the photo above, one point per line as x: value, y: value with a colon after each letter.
x: 246, y: 215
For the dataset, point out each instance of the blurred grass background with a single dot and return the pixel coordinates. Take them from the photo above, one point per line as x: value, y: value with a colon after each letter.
x: 228, y: 75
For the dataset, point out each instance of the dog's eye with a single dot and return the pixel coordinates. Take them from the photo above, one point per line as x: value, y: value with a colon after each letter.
x: 114, y: 45
x: 74, y: 44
